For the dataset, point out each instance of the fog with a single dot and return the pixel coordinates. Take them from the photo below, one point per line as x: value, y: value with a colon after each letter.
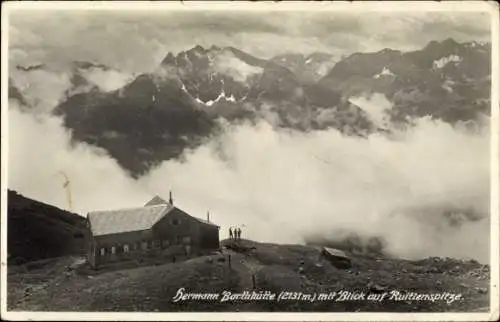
x: 40, y: 149
x: 227, y: 63
x: 281, y: 186
x: 43, y: 89
x: 375, y: 106
x: 107, y: 80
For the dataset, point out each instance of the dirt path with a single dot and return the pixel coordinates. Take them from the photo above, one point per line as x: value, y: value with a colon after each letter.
x: 237, y: 265
x: 246, y: 267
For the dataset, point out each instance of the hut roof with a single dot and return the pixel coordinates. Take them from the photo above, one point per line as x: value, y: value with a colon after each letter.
x: 335, y: 252
x: 157, y: 200
x: 133, y: 219
x: 126, y: 220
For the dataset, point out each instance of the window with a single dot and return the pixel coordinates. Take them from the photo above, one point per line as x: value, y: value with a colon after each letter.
x: 176, y: 221
x: 113, y: 250
x: 186, y: 240
x: 165, y: 243
x: 144, y: 245
x: 135, y: 246
x: 103, y: 251
x: 156, y: 243
x: 125, y: 248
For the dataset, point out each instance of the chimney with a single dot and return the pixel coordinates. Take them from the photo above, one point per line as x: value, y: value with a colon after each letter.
x: 208, y: 216
x: 171, y: 200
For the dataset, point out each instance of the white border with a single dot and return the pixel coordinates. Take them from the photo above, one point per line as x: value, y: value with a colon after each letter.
x: 363, y: 7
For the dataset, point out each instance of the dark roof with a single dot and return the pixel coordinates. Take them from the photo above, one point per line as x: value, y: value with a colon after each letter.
x: 335, y: 252
x: 204, y: 221
x: 157, y: 200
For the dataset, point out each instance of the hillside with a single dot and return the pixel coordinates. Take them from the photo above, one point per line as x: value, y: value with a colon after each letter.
x: 277, y: 268
x: 38, y: 231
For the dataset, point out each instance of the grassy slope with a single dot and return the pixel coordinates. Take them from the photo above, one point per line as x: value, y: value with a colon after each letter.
x: 276, y: 269
x: 36, y: 230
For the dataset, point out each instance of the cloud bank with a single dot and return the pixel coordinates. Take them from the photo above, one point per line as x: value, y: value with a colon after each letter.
x: 285, y: 185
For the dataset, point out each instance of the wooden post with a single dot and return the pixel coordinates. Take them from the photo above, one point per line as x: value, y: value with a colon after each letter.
x: 253, y: 280
x: 229, y: 260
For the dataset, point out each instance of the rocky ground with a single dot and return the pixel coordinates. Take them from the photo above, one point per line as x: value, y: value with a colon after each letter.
x: 57, y: 284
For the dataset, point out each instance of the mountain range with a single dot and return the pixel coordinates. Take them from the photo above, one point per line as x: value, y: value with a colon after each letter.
x: 156, y: 115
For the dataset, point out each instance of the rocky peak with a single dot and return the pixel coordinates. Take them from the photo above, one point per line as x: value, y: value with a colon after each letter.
x: 169, y: 59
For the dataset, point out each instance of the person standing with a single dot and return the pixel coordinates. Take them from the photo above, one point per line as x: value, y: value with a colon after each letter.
x: 231, y: 233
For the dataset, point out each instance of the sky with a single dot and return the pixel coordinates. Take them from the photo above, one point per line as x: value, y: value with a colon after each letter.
x: 136, y: 42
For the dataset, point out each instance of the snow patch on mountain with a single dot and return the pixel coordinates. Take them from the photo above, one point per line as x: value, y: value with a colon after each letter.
x: 228, y: 64
x: 447, y: 85
x: 443, y: 61
x: 385, y: 72
x: 476, y: 43
x: 324, y: 68
x: 198, y: 53
x: 222, y: 95
x: 376, y: 106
